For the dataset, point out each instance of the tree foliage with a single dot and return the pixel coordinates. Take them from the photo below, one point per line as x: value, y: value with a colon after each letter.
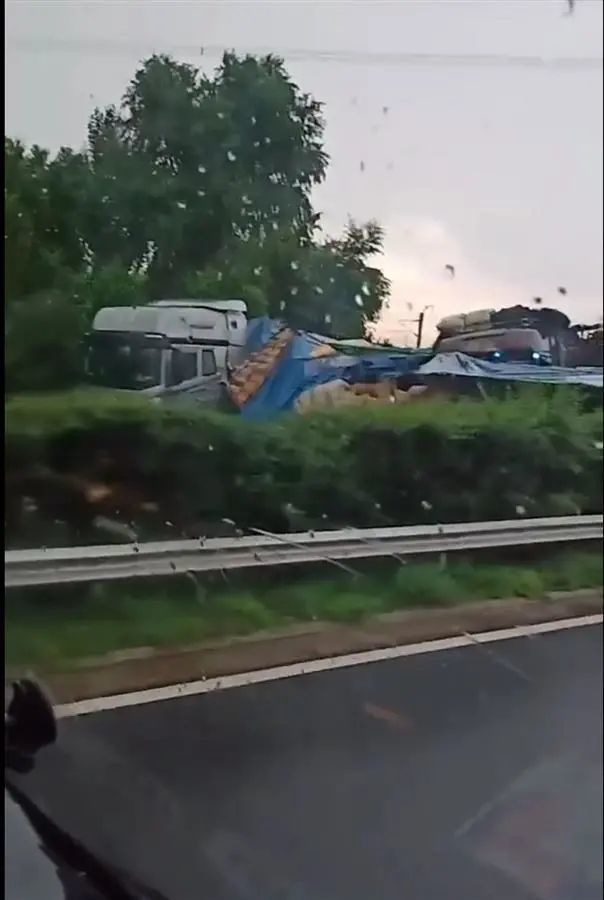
x: 192, y: 186
x: 44, y: 343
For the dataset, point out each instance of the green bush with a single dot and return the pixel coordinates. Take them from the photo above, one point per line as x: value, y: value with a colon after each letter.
x: 424, y: 583
x: 44, y: 343
x: 573, y: 570
x: 531, y: 454
x: 498, y: 581
x: 241, y: 613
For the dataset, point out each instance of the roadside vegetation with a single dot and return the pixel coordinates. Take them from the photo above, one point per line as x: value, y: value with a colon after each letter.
x: 169, y: 472
x: 192, y: 185
x: 56, y: 628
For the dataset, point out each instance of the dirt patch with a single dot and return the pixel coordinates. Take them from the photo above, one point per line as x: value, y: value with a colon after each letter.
x: 143, y: 668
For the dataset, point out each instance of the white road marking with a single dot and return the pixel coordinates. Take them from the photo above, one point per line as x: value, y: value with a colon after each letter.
x: 222, y: 683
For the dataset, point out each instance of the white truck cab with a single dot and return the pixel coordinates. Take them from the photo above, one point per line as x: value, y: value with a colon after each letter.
x: 166, y: 344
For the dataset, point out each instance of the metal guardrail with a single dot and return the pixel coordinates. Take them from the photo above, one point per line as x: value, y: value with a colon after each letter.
x: 69, y: 565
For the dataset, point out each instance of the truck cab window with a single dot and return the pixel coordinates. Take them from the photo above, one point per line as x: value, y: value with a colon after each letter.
x: 183, y: 367
x: 122, y: 362
x: 208, y: 362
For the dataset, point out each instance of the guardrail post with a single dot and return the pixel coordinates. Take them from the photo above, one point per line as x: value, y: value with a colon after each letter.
x: 73, y: 565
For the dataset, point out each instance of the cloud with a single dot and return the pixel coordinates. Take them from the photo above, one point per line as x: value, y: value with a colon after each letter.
x: 416, y: 253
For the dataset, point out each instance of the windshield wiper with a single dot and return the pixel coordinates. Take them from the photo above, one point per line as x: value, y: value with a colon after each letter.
x: 66, y: 852
x: 29, y: 725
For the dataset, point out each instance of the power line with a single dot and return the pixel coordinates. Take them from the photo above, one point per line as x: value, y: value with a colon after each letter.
x: 348, y: 57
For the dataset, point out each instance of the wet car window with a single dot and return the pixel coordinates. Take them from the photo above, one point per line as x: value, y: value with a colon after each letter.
x: 304, y: 445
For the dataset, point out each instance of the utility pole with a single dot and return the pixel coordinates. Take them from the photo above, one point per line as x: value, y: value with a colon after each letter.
x: 420, y: 328
x: 420, y: 325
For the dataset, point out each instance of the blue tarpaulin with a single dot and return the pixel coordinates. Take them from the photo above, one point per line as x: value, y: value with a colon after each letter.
x: 469, y: 367
x: 259, y: 333
x: 372, y: 367
x: 303, y: 367
x: 297, y: 371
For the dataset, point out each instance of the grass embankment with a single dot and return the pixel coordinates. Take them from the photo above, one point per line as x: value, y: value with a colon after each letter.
x: 53, y: 629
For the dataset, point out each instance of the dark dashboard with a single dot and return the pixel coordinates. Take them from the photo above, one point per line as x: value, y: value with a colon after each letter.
x: 42, y: 861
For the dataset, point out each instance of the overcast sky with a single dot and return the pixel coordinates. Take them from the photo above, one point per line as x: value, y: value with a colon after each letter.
x: 495, y: 169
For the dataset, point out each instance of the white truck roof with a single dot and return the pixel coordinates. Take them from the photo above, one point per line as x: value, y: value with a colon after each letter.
x: 222, y: 305
x: 177, y: 320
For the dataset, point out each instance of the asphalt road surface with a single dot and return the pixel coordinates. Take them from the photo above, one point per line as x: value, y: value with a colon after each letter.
x: 464, y: 774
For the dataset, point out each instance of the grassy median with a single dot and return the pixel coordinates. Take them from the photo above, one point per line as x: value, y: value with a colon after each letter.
x: 54, y: 628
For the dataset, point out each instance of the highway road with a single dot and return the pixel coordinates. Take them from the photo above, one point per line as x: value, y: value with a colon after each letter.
x: 464, y: 774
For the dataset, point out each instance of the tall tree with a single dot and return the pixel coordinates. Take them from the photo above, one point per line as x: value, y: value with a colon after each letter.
x: 192, y: 186
x: 188, y: 164
x: 43, y: 199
